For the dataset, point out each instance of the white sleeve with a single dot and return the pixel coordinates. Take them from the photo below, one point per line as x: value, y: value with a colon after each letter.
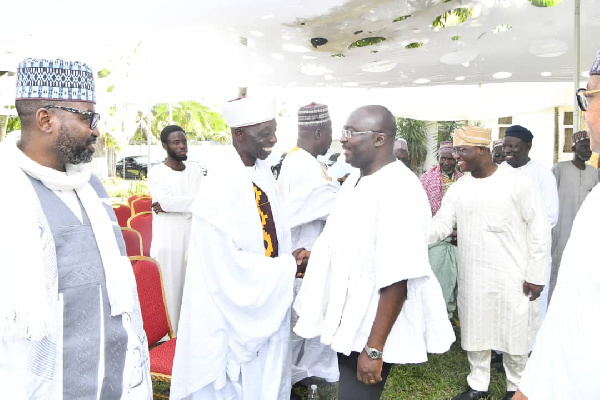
x: 159, y: 190
x: 444, y: 221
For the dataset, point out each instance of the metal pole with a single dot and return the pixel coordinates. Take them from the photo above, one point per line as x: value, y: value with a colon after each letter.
x: 577, y: 43
x: 243, y: 91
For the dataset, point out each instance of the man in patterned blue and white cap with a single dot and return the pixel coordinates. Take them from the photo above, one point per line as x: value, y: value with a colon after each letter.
x: 70, y: 323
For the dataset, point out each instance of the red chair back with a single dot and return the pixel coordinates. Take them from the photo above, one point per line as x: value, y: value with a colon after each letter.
x: 123, y: 213
x: 142, y: 223
x: 133, y: 197
x: 152, y: 298
x: 133, y: 242
x: 141, y: 204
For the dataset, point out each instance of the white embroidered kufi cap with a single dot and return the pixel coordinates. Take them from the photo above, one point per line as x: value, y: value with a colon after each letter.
x: 247, y: 111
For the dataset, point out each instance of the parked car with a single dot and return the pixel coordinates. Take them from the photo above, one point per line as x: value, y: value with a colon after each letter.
x: 134, y: 167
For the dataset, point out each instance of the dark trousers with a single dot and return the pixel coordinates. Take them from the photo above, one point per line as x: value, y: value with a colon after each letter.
x: 350, y: 387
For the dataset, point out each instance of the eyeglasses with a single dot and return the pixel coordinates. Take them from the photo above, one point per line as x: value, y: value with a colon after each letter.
x: 459, y: 150
x: 498, y: 155
x: 348, y: 133
x: 94, y: 117
x: 583, y: 97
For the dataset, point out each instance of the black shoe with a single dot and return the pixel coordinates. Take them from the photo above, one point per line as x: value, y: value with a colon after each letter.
x: 471, y: 394
x: 509, y: 395
x: 496, y: 358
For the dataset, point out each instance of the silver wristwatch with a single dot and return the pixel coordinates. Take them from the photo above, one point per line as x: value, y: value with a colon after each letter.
x: 374, y: 354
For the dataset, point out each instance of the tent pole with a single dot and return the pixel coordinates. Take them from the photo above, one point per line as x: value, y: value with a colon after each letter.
x: 577, y: 49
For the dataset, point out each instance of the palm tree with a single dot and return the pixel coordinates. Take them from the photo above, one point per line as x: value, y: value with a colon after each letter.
x: 446, y: 131
x: 415, y: 133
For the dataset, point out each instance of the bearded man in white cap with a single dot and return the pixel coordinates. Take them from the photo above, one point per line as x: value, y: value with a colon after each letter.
x: 70, y: 322
x: 309, y: 196
x: 503, y: 259
x: 564, y: 362
x: 234, y: 329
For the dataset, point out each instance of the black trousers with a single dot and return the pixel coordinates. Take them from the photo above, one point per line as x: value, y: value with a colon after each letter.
x: 350, y: 387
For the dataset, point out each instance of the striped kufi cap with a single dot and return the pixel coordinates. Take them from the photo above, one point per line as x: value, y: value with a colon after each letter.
x: 472, y: 136
x: 577, y: 136
x: 313, y: 114
x: 55, y: 80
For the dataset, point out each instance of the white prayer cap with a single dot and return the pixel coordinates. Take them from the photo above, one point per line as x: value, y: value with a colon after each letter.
x: 247, y: 111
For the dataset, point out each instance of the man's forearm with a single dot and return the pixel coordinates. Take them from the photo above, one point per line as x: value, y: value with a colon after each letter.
x: 391, y: 300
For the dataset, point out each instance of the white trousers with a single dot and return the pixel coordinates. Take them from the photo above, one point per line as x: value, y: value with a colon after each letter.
x: 479, y: 363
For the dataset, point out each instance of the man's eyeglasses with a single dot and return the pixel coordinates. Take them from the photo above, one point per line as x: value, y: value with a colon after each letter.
x: 499, y: 155
x: 94, y: 117
x: 459, y: 151
x: 583, y: 97
x: 348, y: 133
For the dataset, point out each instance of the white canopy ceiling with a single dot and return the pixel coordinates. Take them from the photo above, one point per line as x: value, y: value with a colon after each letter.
x: 189, y: 48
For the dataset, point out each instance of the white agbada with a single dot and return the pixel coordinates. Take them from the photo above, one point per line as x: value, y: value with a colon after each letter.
x: 368, y: 244
x: 546, y: 183
x: 175, y: 191
x: 564, y: 363
x: 504, y: 241
x: 233, y: 339
x: 309, y: 196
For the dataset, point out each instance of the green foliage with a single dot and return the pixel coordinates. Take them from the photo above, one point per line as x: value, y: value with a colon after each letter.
x: 415, y: 133
x: 14, y: 123
x: 456, y: 37
x: 338, y: 55
x: 414, y: 45
x: 545, y: 3
x: 368, y: 41
x: 120, y: 189
x: 199, y: 121
x: 453, y: 17
x: 402, y: 18
x: 103, y: 73
x: 446, y: 131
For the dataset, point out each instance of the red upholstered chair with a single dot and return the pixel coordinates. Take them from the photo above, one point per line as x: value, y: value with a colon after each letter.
x: 141, y: 204
x: 135, y: 196
x: 155, y: 316
x: 133, y: 241
x: 123, y: 212
x: 142, y: 223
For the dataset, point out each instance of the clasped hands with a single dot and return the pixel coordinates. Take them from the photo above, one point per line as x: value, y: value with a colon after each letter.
x: 301, y: 255
x: 531, y: 290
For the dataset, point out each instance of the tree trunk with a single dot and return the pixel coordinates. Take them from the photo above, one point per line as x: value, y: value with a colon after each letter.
x: 3, y: 125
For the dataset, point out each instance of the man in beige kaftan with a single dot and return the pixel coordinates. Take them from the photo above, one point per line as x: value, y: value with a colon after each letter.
x: 503, y: 259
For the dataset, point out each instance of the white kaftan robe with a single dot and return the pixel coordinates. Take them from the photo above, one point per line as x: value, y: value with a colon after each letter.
x: 175, y: 191
x: 369, y: 244
x: 544, y: 180
x: 234, y: 330
x: 564, y: 363
x: 309, y: 196
x: 504, y: 241
x: 573, y: 187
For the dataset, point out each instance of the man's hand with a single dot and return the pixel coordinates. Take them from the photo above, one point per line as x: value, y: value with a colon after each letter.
x: 519, y: 396
x: 157, y: 208
x: 368, y: 371
x: 301, y: 255
x: 533, y: 290
x: 343, y: 178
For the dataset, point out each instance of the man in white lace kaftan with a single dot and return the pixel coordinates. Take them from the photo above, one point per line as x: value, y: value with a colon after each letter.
x: 564, y: 363
x: 234, y: 329
x: 503, y: 259
x: 369, y: 291
x: 173, y: 185
x: 309, y: 195
x: 70, y: 321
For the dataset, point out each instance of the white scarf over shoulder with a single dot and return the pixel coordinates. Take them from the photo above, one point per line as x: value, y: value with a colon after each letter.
x: 28, y: 270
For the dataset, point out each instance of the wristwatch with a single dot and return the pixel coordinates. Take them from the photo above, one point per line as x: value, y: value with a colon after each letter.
x: 374, y: 354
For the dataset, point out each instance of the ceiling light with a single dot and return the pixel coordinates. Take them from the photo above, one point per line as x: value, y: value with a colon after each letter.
x: 277, y: 56
x: 502, y: 75
x: 257, y: 33
x: 379, y: 66
x: 548, y: 48
x: 309, y: 57
x: 350, y: 84
x: 269, y: 16
x: 460, y: 78
x: 546, y: 74
x: 296, y: 48
x: 421, y: 81
x: 383, y: 83
x: 313, y: 69
x: 458, y: 57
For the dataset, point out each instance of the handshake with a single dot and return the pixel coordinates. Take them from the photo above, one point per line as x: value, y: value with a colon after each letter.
x: 301, y: 255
